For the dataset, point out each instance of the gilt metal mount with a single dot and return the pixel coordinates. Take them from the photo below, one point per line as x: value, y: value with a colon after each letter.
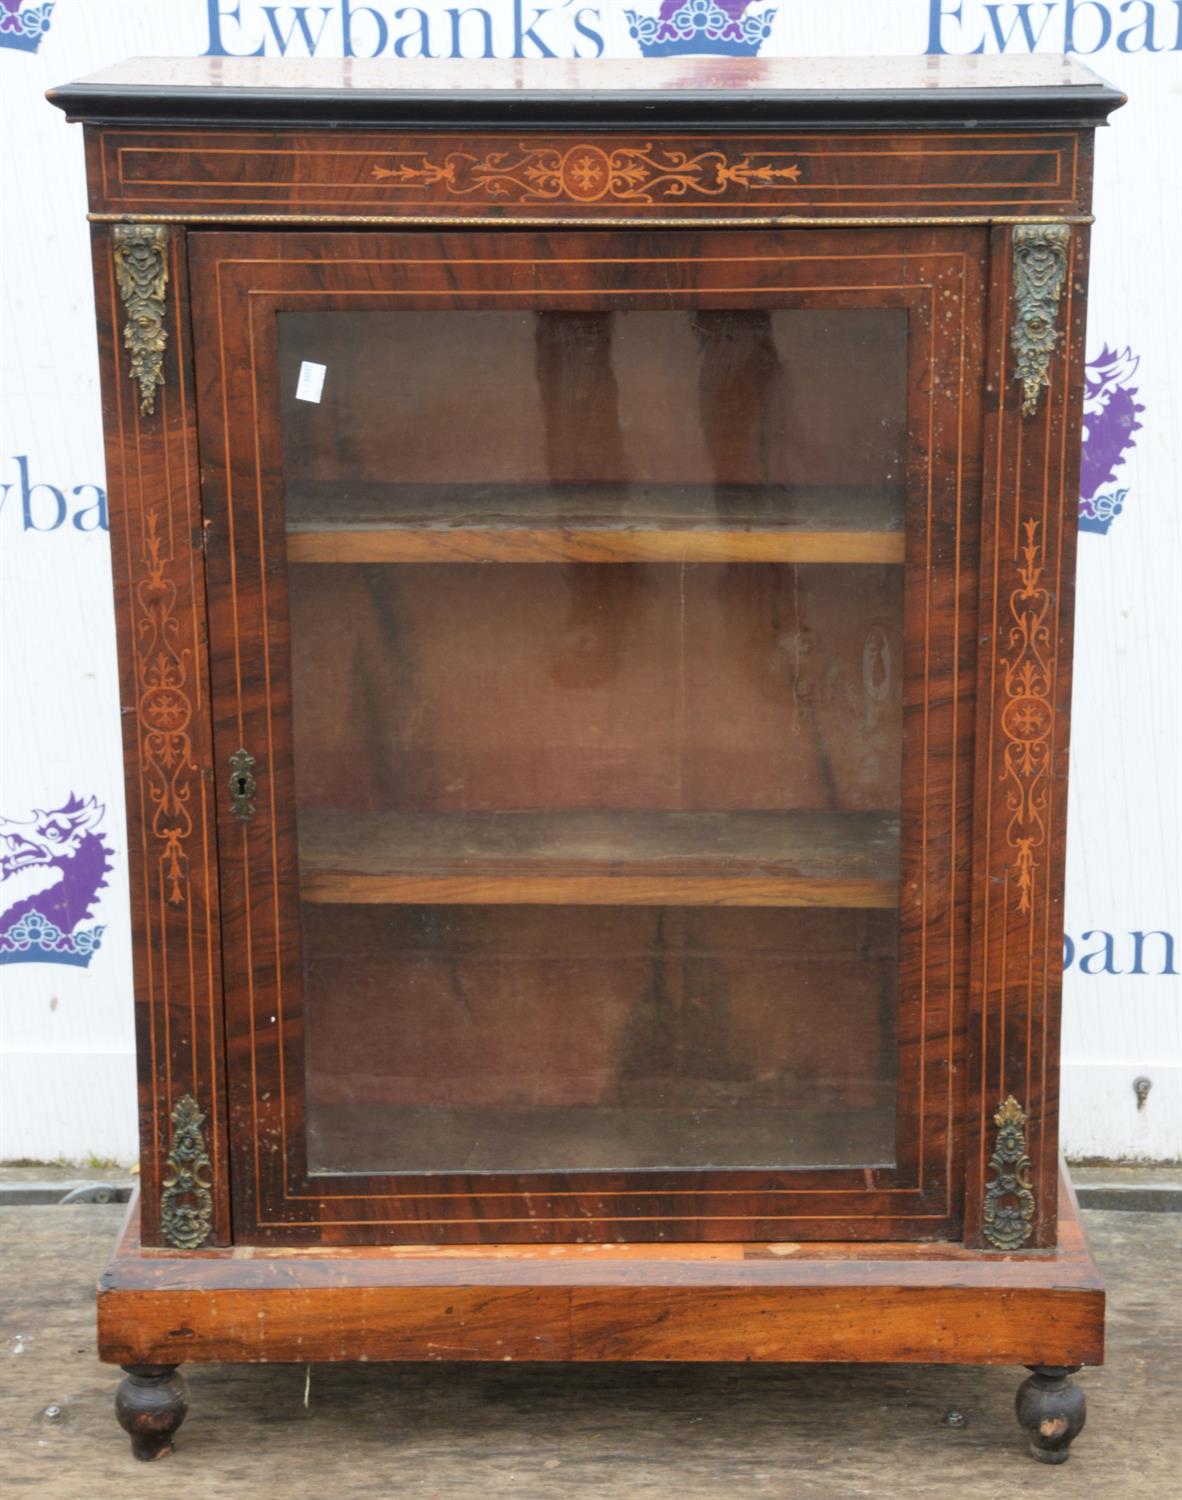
x: 141, y: 274
x: 1008, y: 1217
x: 243, y: 786
x: 1040, y: 269
x: 186, y: 1204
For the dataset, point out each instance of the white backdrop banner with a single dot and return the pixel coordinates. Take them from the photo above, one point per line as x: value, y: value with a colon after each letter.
x: 66, y: 1065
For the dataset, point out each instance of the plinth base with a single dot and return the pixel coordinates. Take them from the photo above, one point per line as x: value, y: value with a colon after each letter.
x: 866, y: 1302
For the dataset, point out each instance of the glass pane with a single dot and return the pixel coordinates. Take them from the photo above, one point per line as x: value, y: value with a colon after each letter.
x: 598, y: 841
x: 442, y: 420
x: 534, y: 1038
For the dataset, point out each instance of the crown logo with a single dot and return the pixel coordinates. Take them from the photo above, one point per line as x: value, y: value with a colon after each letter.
x: 1110, y: 420
x: 52, y: 868
x: 715, y: 27
x: 23, y: 29
x: 37, y: 940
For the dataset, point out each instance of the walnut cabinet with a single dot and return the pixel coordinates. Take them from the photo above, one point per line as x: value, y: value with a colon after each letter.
x: 594, y: 553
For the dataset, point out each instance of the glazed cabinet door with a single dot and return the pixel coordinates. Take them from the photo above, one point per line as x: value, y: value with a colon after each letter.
x: 592, y: 630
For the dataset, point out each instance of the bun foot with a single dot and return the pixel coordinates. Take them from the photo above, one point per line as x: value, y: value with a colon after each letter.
x: 151, y: 1403
x: 1052, y: 1411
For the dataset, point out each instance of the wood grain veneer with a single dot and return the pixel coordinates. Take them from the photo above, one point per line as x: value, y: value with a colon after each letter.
x: 778, y: 1302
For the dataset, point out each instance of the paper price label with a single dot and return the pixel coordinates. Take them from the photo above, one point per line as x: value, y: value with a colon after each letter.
x: 311, y: 381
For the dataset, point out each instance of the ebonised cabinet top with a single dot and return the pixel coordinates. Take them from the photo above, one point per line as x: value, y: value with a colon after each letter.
x: 828, y: 93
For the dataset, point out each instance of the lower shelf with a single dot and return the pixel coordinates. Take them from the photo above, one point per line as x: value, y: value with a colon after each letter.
x: 910, y: 1303
x: 792, y: 858
x: 600, y: 523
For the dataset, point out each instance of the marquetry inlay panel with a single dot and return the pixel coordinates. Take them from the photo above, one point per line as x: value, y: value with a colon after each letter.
x: 368, y: 175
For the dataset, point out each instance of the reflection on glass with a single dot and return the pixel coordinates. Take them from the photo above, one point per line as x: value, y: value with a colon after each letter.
x: 520, y: 418
x: 535, y: 1038
x: 599, y: 855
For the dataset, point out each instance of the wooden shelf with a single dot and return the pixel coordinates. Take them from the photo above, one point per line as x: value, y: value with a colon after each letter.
x: 592, y: 523
x: 800, y: 858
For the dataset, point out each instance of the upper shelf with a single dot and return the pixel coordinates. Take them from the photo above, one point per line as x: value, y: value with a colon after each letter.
x: 792, y: 858
x: 592, y: 523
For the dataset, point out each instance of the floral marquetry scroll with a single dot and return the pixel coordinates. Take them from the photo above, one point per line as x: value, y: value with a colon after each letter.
x: 166, y: 711
x: 1027, y: 717
x: 588, y: 173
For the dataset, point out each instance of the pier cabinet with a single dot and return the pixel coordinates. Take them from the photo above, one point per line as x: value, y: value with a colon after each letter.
x: 594, y: 549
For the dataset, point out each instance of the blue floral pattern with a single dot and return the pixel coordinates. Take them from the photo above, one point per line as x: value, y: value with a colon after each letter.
x: 23, y: 29
x: 700, y: 26
x: 35, y: 937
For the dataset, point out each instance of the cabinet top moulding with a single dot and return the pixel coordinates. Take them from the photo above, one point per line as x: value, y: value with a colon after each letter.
x: 656, y: 141
x: 764, y: 93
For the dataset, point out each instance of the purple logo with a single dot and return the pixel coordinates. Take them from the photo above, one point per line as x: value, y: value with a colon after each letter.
x: 22, y: 26
x: 52, y: 868
x: 717, y: 27
x: 1110, y: 420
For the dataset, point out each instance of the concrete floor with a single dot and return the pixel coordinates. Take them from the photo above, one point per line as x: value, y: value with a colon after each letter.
x: 607, y: 1432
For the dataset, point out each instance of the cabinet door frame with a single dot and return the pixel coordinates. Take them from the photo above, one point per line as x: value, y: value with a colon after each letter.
x: 239, y: 281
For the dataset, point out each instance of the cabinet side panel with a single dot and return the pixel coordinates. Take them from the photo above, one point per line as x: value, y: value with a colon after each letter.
x: 1029, y: 527
x: 158, y: 565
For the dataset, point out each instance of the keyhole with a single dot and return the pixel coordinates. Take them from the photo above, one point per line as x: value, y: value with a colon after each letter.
x: 242, y: 784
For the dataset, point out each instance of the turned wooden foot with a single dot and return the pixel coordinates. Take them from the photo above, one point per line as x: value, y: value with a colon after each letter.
x: 1052, y: 1411
x: 151, y: 1403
